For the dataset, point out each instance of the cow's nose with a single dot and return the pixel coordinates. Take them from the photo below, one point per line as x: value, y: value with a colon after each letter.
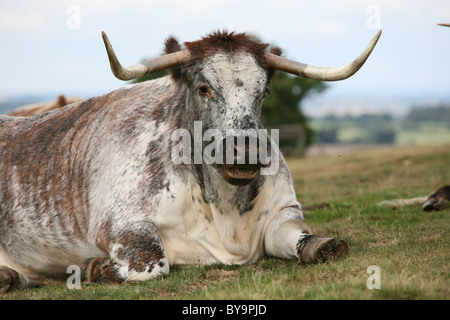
x: 241, y: 150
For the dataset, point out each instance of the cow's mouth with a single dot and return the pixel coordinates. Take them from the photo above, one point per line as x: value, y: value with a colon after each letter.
x: 240, y: 174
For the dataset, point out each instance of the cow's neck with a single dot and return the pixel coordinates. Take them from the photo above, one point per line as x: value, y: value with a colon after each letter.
x: 226, y: 198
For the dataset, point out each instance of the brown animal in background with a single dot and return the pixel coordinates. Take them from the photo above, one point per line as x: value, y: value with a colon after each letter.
x: 438, y: 200
x: 435, y: 201
x: 41, y: 107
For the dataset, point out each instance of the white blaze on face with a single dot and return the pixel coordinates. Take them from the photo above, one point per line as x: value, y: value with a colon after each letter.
x: 241, y: 83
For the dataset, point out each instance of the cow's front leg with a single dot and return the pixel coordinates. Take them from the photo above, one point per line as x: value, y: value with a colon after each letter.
x: 288, y: 237
x: 135, y: 254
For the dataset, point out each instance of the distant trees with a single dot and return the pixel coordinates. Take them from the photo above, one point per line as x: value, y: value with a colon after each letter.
x: 366, y: 128
x: 384, y: 128
x: 418, y: 115
x: 283, y: 106
x: 151, y: 76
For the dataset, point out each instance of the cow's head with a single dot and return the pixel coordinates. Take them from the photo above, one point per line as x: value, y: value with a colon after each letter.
x: 227, y: 76
x: 227, y: 79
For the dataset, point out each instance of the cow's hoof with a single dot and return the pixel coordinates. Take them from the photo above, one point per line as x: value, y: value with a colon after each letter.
x: 316, y: 249
x: 102, y: 270
x: 9, y: 279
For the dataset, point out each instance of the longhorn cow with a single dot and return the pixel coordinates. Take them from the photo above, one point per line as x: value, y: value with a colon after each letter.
x: 95, y: 183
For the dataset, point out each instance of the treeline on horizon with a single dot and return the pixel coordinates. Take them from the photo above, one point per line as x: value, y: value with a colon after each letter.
x: 383, y: 128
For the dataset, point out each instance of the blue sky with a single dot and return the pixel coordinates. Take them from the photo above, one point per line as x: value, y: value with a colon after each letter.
x: 56, y: 47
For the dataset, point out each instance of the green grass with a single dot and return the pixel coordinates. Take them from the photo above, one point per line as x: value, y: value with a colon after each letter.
x: 431, y: 136
x: 340, y: 195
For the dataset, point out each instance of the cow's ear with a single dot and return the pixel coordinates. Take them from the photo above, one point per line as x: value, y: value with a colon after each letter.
x: 172, y: 45
x: 271, y: 72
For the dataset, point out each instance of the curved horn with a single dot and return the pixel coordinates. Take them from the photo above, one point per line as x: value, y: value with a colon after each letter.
x: 149, y: 66
x: 321, y: 73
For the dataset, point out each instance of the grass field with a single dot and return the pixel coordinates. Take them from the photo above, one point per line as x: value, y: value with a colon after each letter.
x: 340, y: 194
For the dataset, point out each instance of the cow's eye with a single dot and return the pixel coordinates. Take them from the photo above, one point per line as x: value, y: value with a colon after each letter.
x: 204, y: 90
